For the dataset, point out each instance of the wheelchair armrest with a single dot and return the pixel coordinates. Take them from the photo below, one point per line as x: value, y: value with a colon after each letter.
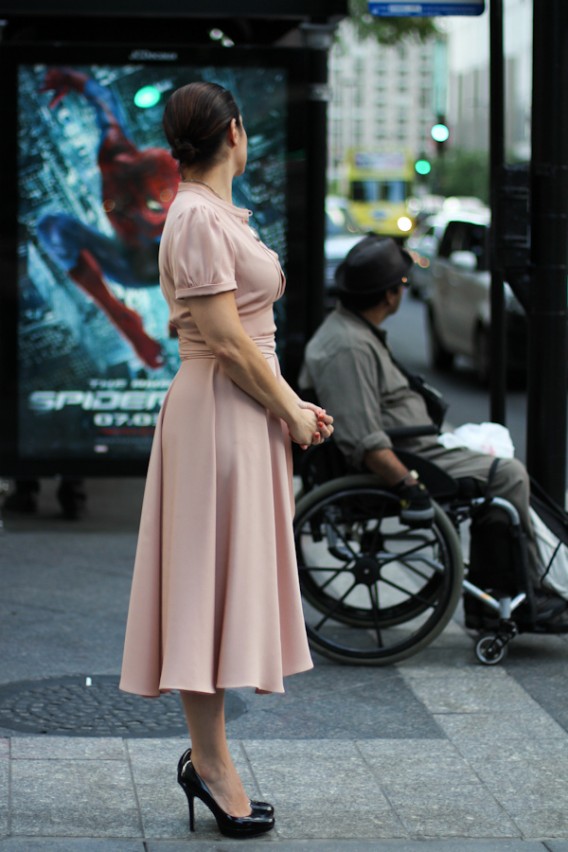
x: 412, y: 431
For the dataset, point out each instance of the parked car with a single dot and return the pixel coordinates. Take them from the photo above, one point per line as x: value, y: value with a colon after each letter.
x: 423, y: 243
x: 341, y: 234
x: 459, y: 308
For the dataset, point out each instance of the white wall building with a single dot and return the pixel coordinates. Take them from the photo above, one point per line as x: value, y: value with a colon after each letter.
x: 468, y: 67
x: 383, y: 98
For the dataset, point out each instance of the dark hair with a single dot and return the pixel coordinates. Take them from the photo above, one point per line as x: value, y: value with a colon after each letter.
x: 363, y: 301
x: 195, y: 120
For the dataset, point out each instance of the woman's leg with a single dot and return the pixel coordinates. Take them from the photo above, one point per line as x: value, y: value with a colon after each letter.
x: 205, y: 714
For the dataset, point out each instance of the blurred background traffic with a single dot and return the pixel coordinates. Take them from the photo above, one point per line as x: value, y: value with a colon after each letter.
x: 408, y: 157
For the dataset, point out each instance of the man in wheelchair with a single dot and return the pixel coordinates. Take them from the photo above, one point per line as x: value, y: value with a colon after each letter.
x: 350, y: 368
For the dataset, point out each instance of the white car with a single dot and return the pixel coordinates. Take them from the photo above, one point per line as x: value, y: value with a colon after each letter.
x: 459, y: 307
x: 424, y: 241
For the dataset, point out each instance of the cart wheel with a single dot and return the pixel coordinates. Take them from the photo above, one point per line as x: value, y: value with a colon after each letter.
x: 490, y: 650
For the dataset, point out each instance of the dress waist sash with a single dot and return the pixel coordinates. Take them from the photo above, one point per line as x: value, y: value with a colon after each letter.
x: 190, y: 350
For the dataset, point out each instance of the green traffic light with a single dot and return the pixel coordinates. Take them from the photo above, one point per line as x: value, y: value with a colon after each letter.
x: 147, y: 96
x: 440, y: 133
x: 422, y: 167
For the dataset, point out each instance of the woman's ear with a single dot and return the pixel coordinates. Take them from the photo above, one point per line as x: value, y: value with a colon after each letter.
x: 233, y: 132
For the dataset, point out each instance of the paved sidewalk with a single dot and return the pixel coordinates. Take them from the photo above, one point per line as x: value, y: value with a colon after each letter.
x: 436, y: 754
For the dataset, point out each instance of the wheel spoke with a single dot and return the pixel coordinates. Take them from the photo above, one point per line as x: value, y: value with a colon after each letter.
x: 327, y: 569
x: 409, y: 592
x: 374, y: 598
x: 342, y: 538
x: 334, y: 608
x: 404, y: 554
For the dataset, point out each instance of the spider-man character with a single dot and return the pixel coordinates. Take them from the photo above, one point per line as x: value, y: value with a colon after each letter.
x: 137, y: 188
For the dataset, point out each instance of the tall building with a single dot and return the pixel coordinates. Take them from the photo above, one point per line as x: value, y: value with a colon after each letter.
x: 384, y: 98
x: 468, y: 68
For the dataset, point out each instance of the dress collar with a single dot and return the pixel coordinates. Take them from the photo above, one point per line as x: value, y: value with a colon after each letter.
x: 202, y: 191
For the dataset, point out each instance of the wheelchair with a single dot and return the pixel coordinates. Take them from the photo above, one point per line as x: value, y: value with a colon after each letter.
x: 376, y: 589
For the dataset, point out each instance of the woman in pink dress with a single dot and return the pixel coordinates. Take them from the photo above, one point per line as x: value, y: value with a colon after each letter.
x: 215, y: 599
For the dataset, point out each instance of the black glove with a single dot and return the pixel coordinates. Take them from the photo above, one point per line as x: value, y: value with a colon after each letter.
x: 416, y: 508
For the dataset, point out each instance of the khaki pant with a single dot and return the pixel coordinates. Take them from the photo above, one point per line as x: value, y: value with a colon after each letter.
x: 510, y: 481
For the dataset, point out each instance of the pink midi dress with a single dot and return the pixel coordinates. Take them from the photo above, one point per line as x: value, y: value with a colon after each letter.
x: 215, y: 600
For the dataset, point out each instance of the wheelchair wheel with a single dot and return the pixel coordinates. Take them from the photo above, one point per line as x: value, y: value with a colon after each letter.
x: 489, y: 650
x: 375, y: 591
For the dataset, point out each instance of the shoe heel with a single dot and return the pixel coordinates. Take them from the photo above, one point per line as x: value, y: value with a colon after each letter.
x: 190, y: 798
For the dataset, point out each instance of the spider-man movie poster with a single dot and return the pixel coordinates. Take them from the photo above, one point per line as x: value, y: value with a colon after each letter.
x: 95, y: 180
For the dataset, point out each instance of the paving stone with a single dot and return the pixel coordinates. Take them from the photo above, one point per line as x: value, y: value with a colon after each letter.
x: 470, y: 692
x: 547, y: 682
x: 162, y: 804
x: 441, y: 810
x: 454, y: 653
x: 65, y: 844
x: 321, y: 791
x: 338, y: 703
x: 218, y: 845
x: 415, y: 762
x: 338, y: 819
x: 308, y: 769
x: 462, y: 845
x: 166, y: 750
x: 541, y: 820
x: 513, y: 749
x: 68, y: 748
x: 533, y: 792
x: 500, y: 727
x: 4, y: 793
x: 73, y: 798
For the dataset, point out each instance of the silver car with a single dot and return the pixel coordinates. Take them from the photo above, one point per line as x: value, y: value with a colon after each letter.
x: 459, y: 308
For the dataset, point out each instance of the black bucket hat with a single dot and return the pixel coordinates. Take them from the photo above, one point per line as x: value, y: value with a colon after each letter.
x: 372, y: 266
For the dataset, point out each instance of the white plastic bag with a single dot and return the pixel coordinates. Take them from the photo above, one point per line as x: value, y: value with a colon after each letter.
x: 490, y: 438
x: 553, y: 555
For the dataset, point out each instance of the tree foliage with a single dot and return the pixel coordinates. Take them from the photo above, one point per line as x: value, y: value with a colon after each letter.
x: 461, y: 172
x: 388, y: 30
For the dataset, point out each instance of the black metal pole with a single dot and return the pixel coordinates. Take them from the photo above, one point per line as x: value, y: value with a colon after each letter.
x: 546, y: 421
x: 318, y: 38
x: 498, y: 338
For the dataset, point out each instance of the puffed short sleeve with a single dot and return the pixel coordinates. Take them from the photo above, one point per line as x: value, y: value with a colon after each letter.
x: 203, y: 256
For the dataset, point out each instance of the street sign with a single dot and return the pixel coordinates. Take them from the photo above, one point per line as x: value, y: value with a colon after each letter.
x: 429, y: 9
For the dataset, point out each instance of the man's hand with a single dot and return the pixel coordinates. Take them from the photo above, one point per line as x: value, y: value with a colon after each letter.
x: 416, y: 506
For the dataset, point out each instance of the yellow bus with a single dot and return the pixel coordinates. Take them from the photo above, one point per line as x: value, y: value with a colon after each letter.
x: 378, y: 186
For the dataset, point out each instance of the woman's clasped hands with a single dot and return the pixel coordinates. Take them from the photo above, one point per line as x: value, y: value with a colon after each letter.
x: 314, y: 425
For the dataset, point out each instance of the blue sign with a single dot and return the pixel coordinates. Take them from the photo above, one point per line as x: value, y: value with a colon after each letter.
x: 404, y: 9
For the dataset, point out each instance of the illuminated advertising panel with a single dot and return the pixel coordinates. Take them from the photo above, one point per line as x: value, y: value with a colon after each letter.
x: 87, y: 353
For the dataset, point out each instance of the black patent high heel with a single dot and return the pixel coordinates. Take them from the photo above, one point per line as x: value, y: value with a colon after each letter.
x: 260, y: 819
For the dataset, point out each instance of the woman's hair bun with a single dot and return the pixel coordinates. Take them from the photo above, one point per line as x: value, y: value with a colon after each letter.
x: 184, y: 150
